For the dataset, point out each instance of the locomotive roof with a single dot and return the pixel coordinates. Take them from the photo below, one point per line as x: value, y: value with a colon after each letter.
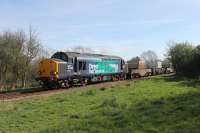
x: 76, y: 54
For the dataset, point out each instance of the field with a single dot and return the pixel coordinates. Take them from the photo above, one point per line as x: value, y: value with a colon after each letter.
x: 157, y: 105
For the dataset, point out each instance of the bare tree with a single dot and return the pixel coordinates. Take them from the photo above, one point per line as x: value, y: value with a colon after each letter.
x: 10, y: 48
x: 19, y: 41
x: 45, y: 52
x: 18, y: 51
x: 150, y: 57
x: 31, y: 50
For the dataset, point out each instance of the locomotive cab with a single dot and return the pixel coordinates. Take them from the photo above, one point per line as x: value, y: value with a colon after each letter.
x: 54, y: 73
x: 48, y: 69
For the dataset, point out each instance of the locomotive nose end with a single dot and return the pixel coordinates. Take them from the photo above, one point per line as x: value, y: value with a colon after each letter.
x: 48, y: 68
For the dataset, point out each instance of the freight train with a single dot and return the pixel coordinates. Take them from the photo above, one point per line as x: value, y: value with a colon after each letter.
x: 65, y: 69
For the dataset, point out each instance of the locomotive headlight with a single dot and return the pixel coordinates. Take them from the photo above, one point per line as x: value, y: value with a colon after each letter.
x: 55, y: 73
x: 39, y: 72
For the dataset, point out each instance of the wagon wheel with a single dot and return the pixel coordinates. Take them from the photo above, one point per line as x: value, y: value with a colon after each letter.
x: 67, y: 85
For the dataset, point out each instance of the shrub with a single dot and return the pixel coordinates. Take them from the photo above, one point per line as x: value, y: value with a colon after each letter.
x: 185, y: 59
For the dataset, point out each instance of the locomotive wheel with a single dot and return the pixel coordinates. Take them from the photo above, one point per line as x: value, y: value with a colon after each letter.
x: 67, y: 85
x: 147, y: 75
x: 84, y: 82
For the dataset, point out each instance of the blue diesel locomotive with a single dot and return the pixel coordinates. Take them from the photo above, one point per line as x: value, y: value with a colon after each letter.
x: 65, y: 69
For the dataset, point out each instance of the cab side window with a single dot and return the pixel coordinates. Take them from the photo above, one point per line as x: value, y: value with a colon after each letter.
x: 64, y: 57
x: 82, y: 65
x: 122, y: 64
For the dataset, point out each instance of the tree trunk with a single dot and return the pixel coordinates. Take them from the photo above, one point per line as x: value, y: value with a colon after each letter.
x: 4, y: 77
x: 24, y: 79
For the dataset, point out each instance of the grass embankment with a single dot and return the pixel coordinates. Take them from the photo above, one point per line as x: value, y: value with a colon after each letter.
x: 160, y: 105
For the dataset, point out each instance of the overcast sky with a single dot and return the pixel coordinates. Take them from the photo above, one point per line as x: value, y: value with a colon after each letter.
x: 120, y: 27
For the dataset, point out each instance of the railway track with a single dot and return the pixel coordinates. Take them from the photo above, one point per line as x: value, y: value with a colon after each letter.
x: 10, y: 96
x: 30, y: 93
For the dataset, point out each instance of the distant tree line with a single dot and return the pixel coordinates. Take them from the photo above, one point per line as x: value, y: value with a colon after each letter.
x: 19, y: 54
x: 185, y: 58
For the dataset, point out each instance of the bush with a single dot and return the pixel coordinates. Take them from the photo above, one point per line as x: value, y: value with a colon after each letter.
x: 185, y: 59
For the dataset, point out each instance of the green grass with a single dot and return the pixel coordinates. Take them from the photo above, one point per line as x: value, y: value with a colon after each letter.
x: 159, y: 105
